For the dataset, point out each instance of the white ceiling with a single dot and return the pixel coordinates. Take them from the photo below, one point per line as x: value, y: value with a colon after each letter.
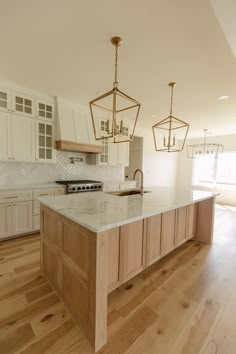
x: 62, y: 47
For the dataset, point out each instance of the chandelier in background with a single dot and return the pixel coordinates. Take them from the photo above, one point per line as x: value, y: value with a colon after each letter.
x: 204, y: 149
x: 170, y: 133
x: 114, y: 114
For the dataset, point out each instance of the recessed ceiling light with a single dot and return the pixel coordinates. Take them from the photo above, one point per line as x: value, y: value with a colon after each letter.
x: 223, y: 97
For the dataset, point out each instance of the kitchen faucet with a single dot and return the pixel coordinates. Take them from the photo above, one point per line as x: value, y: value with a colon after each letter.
x: 139, y: 170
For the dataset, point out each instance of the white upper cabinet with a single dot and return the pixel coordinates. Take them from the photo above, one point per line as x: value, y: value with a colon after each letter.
x: 123, y: 154
x: 27, y: 125
x: 45, y: 110
x: 5, y: 127
x: 22, y: 138
x: 45, y: 141
x: 23, y: 104
x: 5, y: 100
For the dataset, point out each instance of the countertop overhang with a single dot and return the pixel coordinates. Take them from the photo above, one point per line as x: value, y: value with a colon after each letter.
x: 99, y: 211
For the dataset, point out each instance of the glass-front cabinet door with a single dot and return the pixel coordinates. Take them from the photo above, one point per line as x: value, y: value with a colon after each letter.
x: 45, y: 145
x: 23, y: 104
x: 45, y: 110
x: 5, y: 100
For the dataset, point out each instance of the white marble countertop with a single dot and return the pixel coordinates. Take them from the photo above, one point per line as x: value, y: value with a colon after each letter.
x: 11, y: 187
x: 100, y: 211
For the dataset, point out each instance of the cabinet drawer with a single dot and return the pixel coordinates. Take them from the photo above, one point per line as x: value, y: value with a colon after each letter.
x: 42, y: 192
x: 10, y: 197
x: 59, y: 191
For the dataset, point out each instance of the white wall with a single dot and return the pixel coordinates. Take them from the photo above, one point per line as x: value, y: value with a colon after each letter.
x: 185, y: 167
x: 159, y: 167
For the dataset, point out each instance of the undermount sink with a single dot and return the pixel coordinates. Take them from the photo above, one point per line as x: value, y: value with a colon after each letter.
x: 129, y: 192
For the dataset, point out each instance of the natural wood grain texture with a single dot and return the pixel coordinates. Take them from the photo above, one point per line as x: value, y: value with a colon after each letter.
x: 76, y: 265
x: 113, y: 280
x: 132, y: 260
x: 185, y: 303
x: 168, y: 232
x: 180, y: 225
x: 191, y: 222
x: 15, y: 339
x: 64, y: 145
x: 153, y: 252
x: 205, y: 221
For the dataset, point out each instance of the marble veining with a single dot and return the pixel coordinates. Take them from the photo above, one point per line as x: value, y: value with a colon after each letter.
x: 99, y: 211
x: 18, y: 173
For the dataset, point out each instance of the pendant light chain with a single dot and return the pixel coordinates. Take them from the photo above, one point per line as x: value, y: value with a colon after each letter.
x: 171, y: 100
x: 116, y: 67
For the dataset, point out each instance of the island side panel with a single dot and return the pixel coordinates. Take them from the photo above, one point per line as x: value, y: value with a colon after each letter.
x: 74, y: 260
x: 205, y: 220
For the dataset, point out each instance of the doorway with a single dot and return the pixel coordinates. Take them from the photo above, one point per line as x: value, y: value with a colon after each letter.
x: 135, y: 158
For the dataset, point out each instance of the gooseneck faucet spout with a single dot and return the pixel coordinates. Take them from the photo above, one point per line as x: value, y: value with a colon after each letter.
x: 135, y: 172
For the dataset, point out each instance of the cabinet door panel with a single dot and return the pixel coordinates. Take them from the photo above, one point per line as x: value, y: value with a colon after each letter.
x: 168, y: 232
x: 132, y: 256
x: 123, y: 154
x: 5, y: 127
x: 180, y: 234
x: 5, y: 100
x: 45, y: 110
x: 23, y: 104
x: 45, y: 142
x: 22, y: 217
x: 5, y: 220
x: 113, y: 258
x: 191, y: 224
x: 22, y: 138
x: 153, y: 239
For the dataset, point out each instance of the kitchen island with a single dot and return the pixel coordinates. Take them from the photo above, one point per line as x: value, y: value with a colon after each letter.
x: 94, y: 242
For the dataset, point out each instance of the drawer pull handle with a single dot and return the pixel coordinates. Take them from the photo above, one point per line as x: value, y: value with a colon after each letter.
x: 43, y: 194
x: 11, y: 197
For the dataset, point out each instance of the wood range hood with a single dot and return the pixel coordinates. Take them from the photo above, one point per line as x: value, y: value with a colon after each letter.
x: 65, y: 145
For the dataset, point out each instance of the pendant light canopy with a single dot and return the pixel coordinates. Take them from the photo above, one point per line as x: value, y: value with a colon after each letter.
x: 199, y: 150
x: 170, y: 133
x: 114, y: 114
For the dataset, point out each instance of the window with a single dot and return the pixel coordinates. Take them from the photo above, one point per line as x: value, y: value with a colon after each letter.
x: 204, y: 168
x: 222, y: 170
x: 226, y: 168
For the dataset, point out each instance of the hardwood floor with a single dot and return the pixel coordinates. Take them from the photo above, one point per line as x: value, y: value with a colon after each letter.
x: 184, y: 304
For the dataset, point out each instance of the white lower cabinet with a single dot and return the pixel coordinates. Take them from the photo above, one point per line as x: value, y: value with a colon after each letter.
x: 15, y: 218
x: 5, y: 220
x: 20, y: 210
x: 22, y: 217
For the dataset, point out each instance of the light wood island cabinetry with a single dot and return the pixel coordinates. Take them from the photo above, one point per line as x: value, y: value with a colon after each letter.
x: 84, y: 266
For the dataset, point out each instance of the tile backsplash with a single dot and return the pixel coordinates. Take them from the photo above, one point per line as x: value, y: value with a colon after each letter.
x: 30, y: 173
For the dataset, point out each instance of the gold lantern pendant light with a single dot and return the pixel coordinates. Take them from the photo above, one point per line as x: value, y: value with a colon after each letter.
x: 205, y: 149
x: 170, y: 133
x: 114, y: 114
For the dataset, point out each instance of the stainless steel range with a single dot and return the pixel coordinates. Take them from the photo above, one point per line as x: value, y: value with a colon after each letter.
x: 78, y: 186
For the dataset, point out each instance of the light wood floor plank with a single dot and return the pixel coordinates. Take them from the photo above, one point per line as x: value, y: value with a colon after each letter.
x: 184, y: 304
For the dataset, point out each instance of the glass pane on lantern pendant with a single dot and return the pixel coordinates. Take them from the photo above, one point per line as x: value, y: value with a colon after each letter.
x: 169, y: 138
